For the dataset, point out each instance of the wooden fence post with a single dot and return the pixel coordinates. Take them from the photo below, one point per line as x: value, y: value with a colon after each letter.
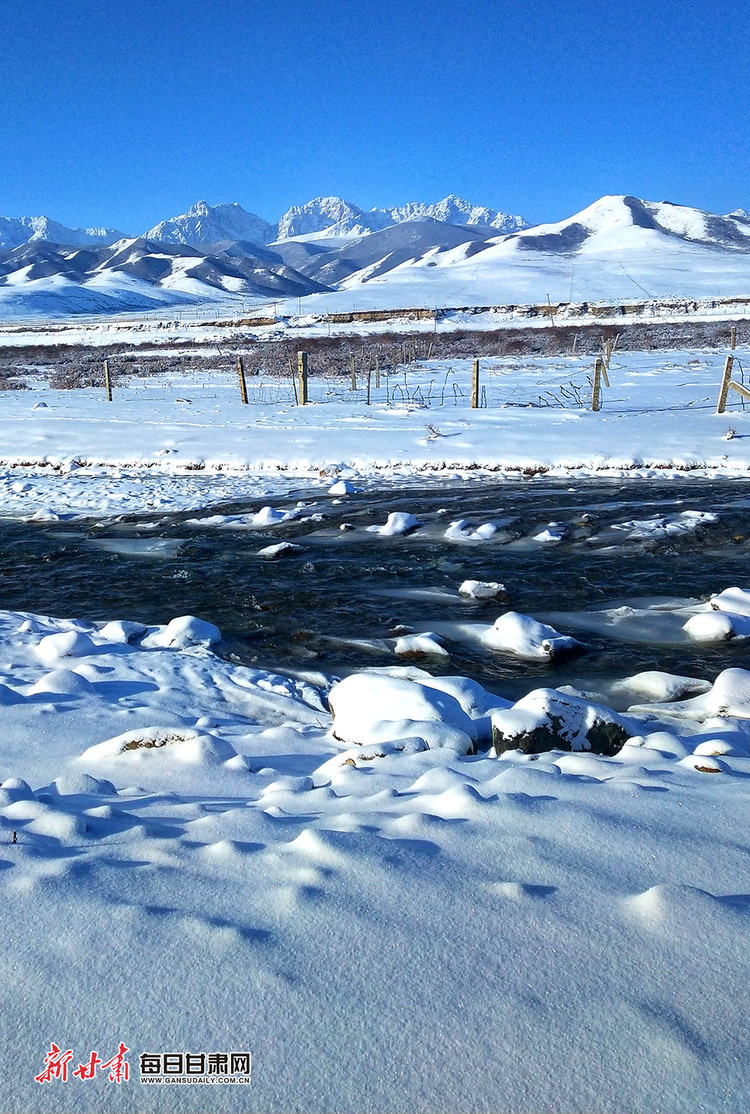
x: 733, y: 337
x: 596, y: 393
x: 353, y: 368
x: 243, y: 383
x: 725, y: 381
x: 302, y: 375
x: 475, y: 385
x: 377, y: 371
x: 107, y: 381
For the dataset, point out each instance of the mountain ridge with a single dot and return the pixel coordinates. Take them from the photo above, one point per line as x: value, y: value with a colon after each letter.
x: 615, y: 247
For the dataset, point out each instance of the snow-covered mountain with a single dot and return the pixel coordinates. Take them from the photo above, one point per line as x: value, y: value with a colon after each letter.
x: 140, y: 274
x: 205, y: 225
x: 618, y: 248
x: 335, y: 217
x: 15, y: 231
x: 623, y: 221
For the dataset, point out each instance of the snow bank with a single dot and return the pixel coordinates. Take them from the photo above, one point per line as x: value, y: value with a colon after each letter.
x: 729, y: 696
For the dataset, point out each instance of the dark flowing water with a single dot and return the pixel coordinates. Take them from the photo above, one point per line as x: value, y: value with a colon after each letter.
x: 305, y: 611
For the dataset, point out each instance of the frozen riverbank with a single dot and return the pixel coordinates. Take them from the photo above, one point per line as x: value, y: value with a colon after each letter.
x: 402, y: 918
x: 658, y: 414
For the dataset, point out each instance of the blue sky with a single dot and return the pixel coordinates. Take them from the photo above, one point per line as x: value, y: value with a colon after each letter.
x: 123, y: 113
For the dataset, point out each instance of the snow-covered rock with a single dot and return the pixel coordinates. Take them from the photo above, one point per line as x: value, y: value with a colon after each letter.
x: 482, y: 590
x: 343, y: 487
x: 526, y: 638
x: 373, y: 707
x: 270, y: 516
x: 122, y: 631
x: 462, y: 530
x: 66, y: 644
x: 729, y: 696
x: 654, y: 685
x: 717, y: 626
x: 734, y: 600
x: 278, y: 549
x: 547, y: 719
x: 194, y: 748
x: 186, y: 630
x: 409, y: 645
x: 399, y: 522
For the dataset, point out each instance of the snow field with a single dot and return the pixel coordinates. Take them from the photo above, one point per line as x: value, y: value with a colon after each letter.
x: 367, y: 918
x: 657, y: 415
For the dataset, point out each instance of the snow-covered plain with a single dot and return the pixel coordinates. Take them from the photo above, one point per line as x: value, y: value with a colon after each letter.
x: 197, y: 857
x: 182, y: 440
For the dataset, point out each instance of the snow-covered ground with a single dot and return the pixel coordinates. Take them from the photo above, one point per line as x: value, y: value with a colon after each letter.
x: 658, y: 413
x: 196, y: 859
x: 412, y: 903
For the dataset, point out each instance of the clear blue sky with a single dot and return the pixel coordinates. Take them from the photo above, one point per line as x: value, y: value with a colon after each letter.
x: 124, y: 112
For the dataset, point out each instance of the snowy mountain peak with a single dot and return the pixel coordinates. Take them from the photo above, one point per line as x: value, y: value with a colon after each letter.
x: 15, y: 231
x: 201, y: 209
x: 316, y: 216
x: 336, y: 217
x: 204, y: 225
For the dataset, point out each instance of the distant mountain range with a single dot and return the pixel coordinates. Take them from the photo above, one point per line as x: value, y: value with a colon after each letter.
x: 15, y: 231
x: 204, y: 225
x: 450, y: 253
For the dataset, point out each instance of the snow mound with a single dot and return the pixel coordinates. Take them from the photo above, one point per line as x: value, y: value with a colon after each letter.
x: 122, y: 631
x: 399, y: 522
x: 343, y: 487
x: 551, y: 535
x: 334, y: 769
x: 269, y: 516
x: 654, y: 685
x: 671, y: 907
x: 717, y: 626
x: 185, y: 745
x: 183, y: 632
x: 64, y: 644
x: 526, y: 638
x: 64, y: 682
x: 728, y: 697
x: 370, y: 707
x: 734, y: 600
x: 280, y: 549
x: 482, y: 590
x: 414, y: 645
x: 464, y: 531
x: 81, y: 785
x: 547, y: 719
x: 14, y: 789
x: 474, y: 700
